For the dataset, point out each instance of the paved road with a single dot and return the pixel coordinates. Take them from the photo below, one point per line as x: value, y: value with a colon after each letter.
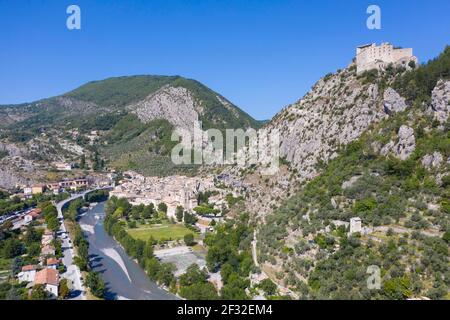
x: 73, y: 273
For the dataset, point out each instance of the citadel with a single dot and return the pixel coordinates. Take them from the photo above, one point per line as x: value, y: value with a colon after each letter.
x: 371, y: 56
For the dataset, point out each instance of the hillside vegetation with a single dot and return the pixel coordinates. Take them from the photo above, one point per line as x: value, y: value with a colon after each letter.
x: 403, y: 204
x: 99, y: 122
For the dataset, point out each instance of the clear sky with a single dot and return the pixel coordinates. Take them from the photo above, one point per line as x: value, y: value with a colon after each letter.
x: 260, y: 54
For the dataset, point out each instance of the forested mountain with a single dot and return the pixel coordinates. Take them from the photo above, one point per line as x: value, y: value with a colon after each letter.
x: 124, y: 122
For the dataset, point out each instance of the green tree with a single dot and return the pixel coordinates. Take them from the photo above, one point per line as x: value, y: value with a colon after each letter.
x: 31, y: 235
x: 189, y: 239
x: 235, y: 288
x: 446, y: 236
x: 83, y: 162
x: 199, y: 291
x: 225, y: 271
x: 53, y: 224
x: 189, y: 218
x: 397, y: 288
x: 95, y: 284
x: 162, y: 207
x: 179, y: 213
x: 12, y: 248
x: 148, y: 250
x: 34, y: 249
x: 38, y: 293
x: 148, y: 211
x: 165, y: 274
x: 63, y: 289
x: 152, y: 268
x: 193, y: 275
x: 194, y: 285
x: 268, y: 287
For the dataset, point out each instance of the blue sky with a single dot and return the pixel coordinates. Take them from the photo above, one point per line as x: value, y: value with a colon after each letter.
x: 260, y: 54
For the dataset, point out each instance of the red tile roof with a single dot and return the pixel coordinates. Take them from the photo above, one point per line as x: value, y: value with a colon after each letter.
x: 47, y: 276
x: 29, y: 267
x: 35, y: 212
x: 52, y: 261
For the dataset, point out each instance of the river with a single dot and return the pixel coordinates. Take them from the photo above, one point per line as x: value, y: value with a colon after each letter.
x: 123, y: 277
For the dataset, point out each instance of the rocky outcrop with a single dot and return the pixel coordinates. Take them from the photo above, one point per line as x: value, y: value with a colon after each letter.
x: 337, y: 110
x: 175, y: 104
x: 406, y: 143
x: 10, y: 179
x: 11, y: 149
x: 393, y: 102
x: 349, y: 183
x: 434, y: 160
x: 404, y: 147
x: 440, y: 100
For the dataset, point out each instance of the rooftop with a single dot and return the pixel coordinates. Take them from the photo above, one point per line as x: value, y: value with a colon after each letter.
x: 47, y: 276
x: 52, y: 261
x: 29, y: 267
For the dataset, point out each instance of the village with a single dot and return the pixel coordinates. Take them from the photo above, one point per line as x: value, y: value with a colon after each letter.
x: 41, y: 243
x: 201, y: 203
x: 174, y: 192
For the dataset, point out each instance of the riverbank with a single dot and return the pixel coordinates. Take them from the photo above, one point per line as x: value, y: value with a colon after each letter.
x: 123, y: 277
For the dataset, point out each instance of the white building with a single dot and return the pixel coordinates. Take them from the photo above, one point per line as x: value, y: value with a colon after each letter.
x: 32, y: 215
x: 28, y: 273
x: 27, y: 191
x: 372, y: 56
x: 62, y: 166
x: 355, y: 225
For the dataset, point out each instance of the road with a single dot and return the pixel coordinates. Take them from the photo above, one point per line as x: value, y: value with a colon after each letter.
x: 73, y: 273
x: 282, y: 289
x: 254, y: 254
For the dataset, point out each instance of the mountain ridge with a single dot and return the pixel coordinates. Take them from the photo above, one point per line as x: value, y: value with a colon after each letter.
x: 105, y: 108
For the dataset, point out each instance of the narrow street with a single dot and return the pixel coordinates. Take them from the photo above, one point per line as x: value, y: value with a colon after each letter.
x: 73, y: 273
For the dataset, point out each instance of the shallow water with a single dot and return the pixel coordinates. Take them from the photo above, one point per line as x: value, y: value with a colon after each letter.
x: 124, y: 278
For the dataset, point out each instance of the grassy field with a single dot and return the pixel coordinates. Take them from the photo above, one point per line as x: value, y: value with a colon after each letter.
x: 5, y: 264
x: 5, y: 269
x: 165, y: 231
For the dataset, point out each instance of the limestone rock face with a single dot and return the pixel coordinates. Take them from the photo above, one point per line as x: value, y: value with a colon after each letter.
x: 10, y: 179
x: 404, y: 147
x: 434, y: 160
x: 334, y: 113
x: 11, y: 149
x: 393, y: 102
x: 337, y: 110
x: 440, y: 100
x: 406, y: 142
x: 176, y: 104
x: 348, y: 184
